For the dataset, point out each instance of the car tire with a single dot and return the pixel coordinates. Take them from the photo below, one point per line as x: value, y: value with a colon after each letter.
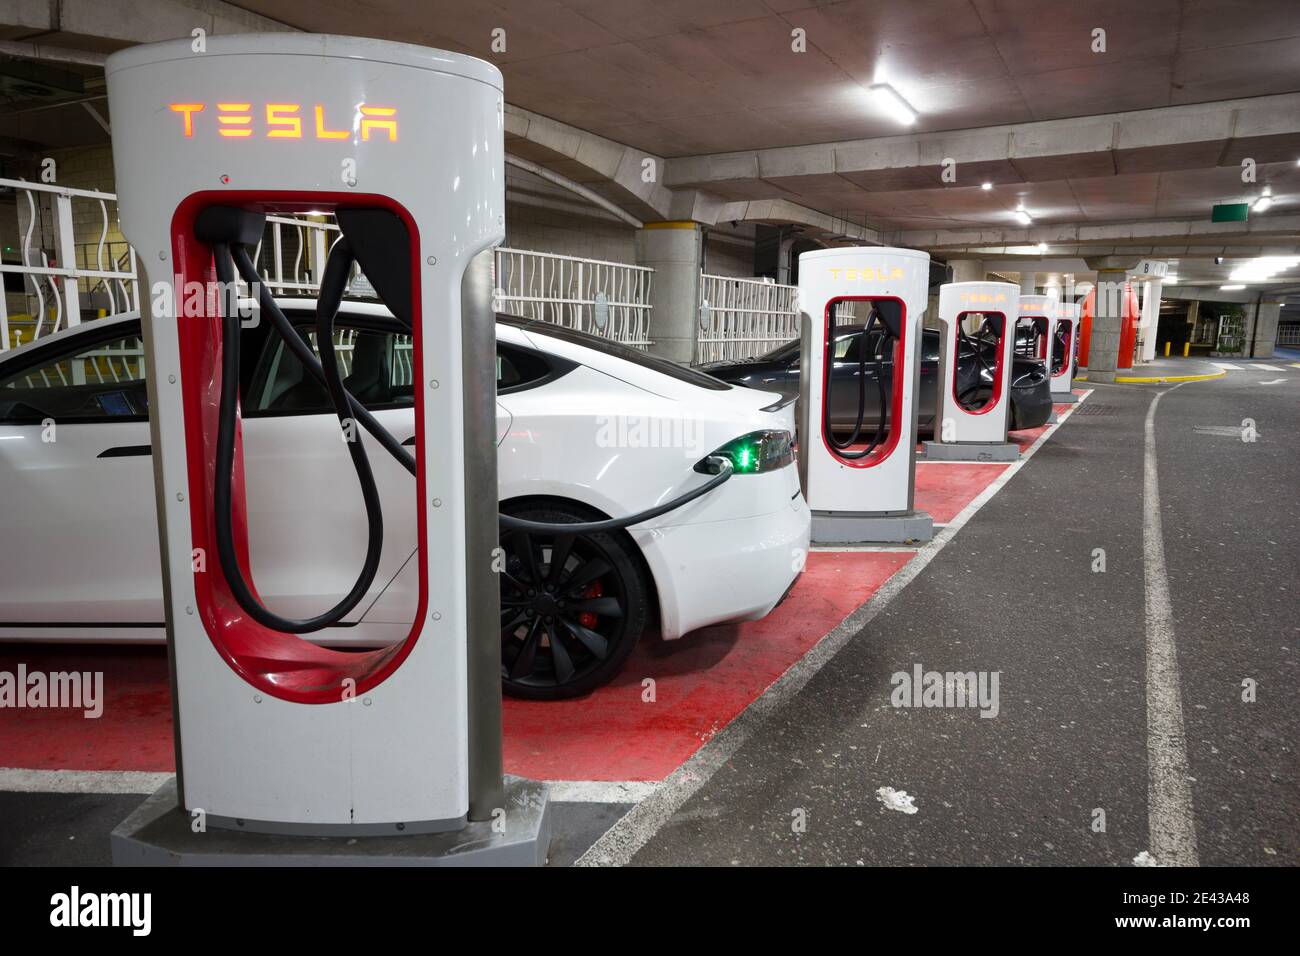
x: 596, y: 610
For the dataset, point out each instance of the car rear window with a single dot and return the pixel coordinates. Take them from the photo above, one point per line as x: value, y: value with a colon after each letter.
x: 617, y: 350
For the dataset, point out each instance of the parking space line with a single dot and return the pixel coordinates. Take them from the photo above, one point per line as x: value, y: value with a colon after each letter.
x: 620, y: 843
x: 1267, y: 368
x: 21, y: 780
x: 1170, y: 821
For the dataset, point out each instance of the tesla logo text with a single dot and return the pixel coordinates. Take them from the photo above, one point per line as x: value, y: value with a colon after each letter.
x: 286, y: 121
x: 983, y: 297
x: 869, y: 274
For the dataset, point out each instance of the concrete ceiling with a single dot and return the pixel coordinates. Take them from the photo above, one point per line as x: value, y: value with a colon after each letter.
x: 680, y: 77
x: 1110, y: 148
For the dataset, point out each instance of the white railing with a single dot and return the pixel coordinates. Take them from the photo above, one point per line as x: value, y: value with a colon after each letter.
x: 742, y: 318
x: 1288, y: 336
x: 592, y: 295
x: 56, y: 270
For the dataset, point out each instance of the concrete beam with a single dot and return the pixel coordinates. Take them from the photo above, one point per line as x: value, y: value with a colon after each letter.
x: 1146, y: 236
x: 1266, y: 129
x: 142, y: 21
x: 617, y: 171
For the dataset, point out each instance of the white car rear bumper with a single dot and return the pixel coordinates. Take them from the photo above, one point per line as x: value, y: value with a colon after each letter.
x: 731, y: 569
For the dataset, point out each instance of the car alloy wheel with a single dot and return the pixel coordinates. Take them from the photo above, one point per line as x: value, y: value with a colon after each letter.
x: 572, y: 606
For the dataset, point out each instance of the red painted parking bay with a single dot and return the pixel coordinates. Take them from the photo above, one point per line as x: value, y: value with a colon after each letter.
x: 700, y: 684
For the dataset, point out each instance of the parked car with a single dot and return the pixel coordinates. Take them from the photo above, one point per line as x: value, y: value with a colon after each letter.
x: 778, y: 371
x: 587, y: 429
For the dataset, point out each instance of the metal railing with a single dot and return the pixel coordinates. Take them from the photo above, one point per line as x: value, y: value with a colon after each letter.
x: 605, y: 298
x: 742, y: 318
x: 56, y: 270
x: 1288, y: 336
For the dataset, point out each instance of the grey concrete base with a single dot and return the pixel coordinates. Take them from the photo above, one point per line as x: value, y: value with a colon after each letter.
x: 1065, y: 398
x: 970, y: 451
x: 844, y: 527
x: 158, y: 833
x: 1052, y: 419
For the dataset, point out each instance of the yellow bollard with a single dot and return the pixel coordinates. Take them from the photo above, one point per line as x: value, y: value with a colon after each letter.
x: 1167, y: 344
x: 1187, y: 347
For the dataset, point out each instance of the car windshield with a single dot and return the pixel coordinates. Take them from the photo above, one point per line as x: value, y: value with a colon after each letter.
x: 618, y: 350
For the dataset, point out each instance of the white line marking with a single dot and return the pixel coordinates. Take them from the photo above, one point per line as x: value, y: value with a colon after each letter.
x: 601, y: 791
x: 19, y: 780
x: 1169, y: 793
x: 622, y: 841
x: 1267, y: 368
x: 14, y: 779
x: 849, y: 548
x: 1226, y: 367
x: 1275, y: 381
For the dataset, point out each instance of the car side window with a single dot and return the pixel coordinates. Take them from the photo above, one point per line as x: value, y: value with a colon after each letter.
x: 100, y: 382
x: 375, y: 366
x: 846, y: 346
x: 519, y: 369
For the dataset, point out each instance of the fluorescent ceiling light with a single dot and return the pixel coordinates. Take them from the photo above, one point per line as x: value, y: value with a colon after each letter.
x: 1231, y: 288
x: 1263, y: 268
x: 1264, y: 201
x: 888, y: 100
x: 986, y: 186
x: 1042, y: 247
x: 1170, y: 280
x: 1022, y: 216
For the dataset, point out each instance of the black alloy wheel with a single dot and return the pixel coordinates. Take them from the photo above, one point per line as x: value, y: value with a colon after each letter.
x: 572, y: 605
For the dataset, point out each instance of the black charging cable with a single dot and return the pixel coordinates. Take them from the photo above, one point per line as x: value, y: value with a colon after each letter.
x: 976, y: 345
x: 232, y: 256
x: 333, y: 283
x: 841, y: 447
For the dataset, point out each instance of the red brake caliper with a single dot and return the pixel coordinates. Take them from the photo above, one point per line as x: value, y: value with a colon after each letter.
x: 587, y: 618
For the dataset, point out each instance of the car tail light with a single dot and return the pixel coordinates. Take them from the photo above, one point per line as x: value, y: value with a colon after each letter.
x: 752, y: 454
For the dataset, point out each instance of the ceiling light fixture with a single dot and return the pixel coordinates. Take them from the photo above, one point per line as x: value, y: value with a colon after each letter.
x: 1022, y: 216
x: 1263, y: 268
x: 1264, y: 201
x: 1042, y: 247
x: 1231, y: 288
x: 888, y: 99
x: 986, y: 186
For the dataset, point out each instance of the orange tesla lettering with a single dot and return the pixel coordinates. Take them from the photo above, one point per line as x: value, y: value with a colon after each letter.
x: 187, y: 110
x: 369, y: 122
x: 232, y: 117
x: 322, y: 132
x: 282, y: 124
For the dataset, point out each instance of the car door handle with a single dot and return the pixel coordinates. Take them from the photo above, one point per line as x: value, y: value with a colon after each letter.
x: 126, y: 451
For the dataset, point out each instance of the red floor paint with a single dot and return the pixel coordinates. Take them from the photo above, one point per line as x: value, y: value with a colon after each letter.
x: 943, y: 489
x: 701, y: 681
x: 134, y: 732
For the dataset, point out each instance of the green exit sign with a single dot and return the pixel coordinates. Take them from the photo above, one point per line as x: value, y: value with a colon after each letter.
x: 1230, y: 212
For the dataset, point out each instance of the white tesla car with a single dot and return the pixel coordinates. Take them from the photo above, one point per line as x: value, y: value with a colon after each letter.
x: 586, y: 429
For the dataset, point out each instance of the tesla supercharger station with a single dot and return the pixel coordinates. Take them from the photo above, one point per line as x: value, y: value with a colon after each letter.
x: 273, y: 732
x: 859, y: 468
x: 1035, y: 312
x: 1062, y: 335
x: 975, y: 362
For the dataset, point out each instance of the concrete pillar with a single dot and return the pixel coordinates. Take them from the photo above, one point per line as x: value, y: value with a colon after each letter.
x: 1263, y: 335
x: 967, y: 270
x: 1028, y: 281
x: 673, y: 250
x: 1107, y: 316
x: 1150, y: 318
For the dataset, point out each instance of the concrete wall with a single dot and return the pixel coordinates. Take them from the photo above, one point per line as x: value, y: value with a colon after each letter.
x: 566, y: 234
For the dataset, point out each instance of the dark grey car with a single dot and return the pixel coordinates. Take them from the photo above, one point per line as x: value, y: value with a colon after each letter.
x: 778, y: 371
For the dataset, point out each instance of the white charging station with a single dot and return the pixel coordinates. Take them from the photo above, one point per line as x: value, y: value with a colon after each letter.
x: 273, y: 733
x: 975, y: 363
x: 1062, y: 338
x: 1036, y: 312
x: 861, y: 485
